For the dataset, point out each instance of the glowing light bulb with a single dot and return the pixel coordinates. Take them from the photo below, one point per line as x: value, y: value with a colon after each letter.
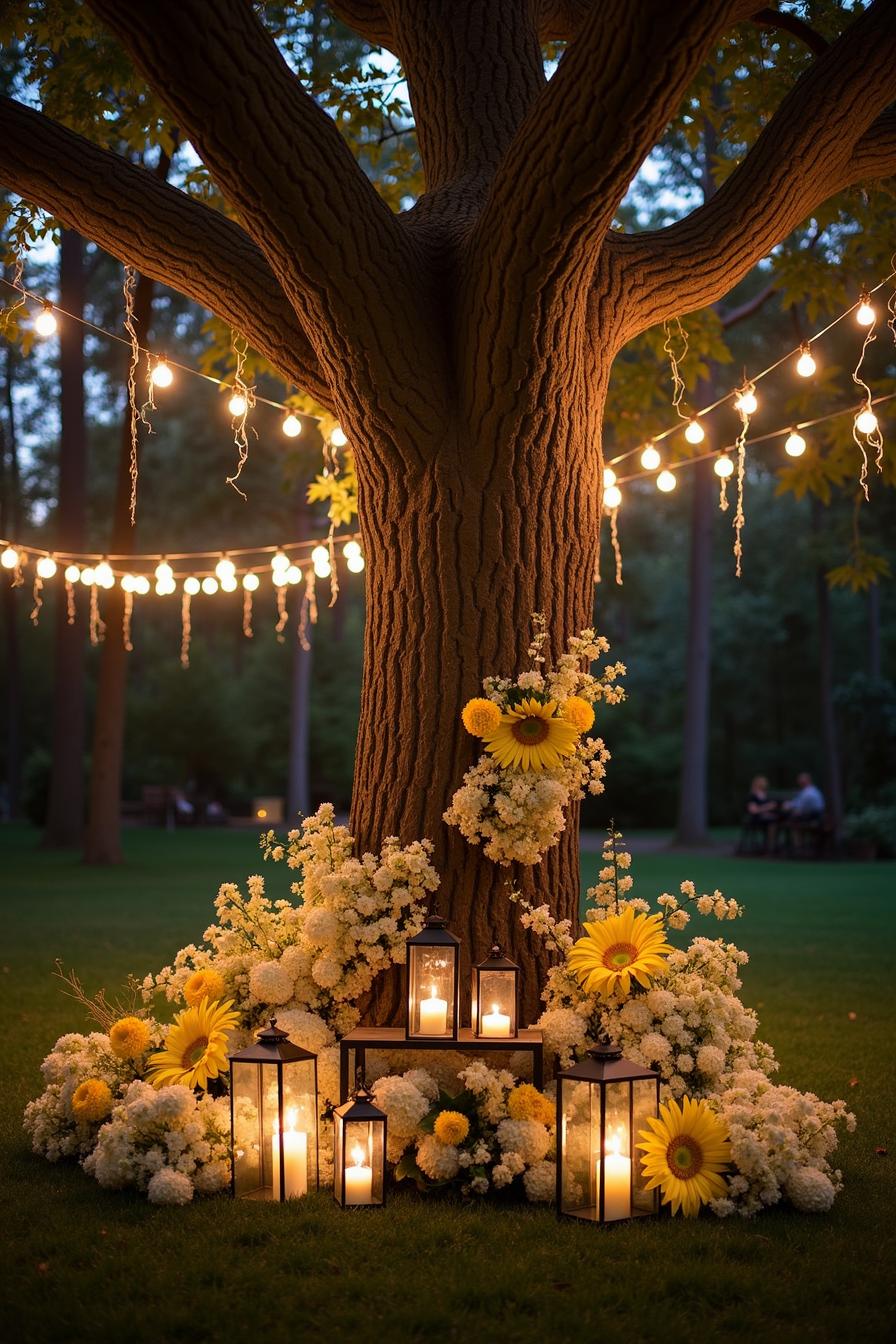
x: 87, y: 577
x: 164, y: 572
x: 320, y: 555
x: 612, y: 497
x: 865, y: 313
x: 128, y: 583
x: 191, y: 585
x: 165, y: 587
x: 724, y: 467
x: 339, y: 438
x: 322, y: 569
x: 794, y: 444
x: 805, y: 365
x: 650, y: 458
x: 45, y: 323
x: 238, y: 405
x: 866, y: 422
x: 10, y: 558
x: 72, y: 573
x: 351, y: 548
x: 292, y: 426
x: 278, y: 577
x: 746, y: 402
x: 228, y: 583
x: 694, y: 433
x: 355, y: 563
x: 103, y: 576
x: 225, y: 569
x: 209, y: 585
x: 161, y: 375
x: 250, y: 582
x: 609, y: 477
x: 293, y: 574
x: 46, y: 567
x: 279, y: 561
x: 141, y: 585
x: 666, y: 481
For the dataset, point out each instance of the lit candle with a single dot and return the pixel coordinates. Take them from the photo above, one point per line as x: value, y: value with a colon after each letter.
x: 433, y: 1015
x: 495, y: 1023
x: 295, y: 1160
x: 358, y: 1179
x: 617, y: 1183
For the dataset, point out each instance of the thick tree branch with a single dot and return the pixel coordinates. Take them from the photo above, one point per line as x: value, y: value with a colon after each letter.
x: 368, y: 18
x: 827, y: 134
x: 793, y: 24
x: 141, y: 220
x: 343, y: 260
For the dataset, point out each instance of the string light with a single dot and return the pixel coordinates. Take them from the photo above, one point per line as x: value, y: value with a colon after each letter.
x: 87, y: 577
x: 164, y: 572
x: 45, y: 323
x: 612, y: 497
x: 191, y: 586
x: 251, y: 582
x: 10, y: 558
x: 723, y: 467
x: 694, y: 432
x: 650, y: 458
x: 237, y: 404
x: 866, y: 421
x: 338, y: 437
x: 279, y: 561
x: 103, y: 576
x: 209, y: 585
x: 805, y: 365
x: 609, y: 477
x: 865, y: 313
x: 228, y: 583
x: 794, y: 444
x: 666, y: 482
x: 46, y: 566
x: 72, y: 573
x: 278, y: 576
x: 746, y: 403
x: 355, y: 563
x: 293, y: 574
x: 161, y: 375
x: 351, y: 548
x: 292, y: 426
x: 225, y: 568
x: 128, y: 583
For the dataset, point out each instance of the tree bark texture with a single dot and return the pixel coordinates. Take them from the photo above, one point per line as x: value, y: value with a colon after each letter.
x: 65, y: 808
x: 464, y: 345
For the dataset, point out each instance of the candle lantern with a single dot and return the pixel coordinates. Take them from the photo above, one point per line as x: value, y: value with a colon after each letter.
x: 273, y: 1118
x: 602, y: 1104
x: 495, y: 997
x: 432, y: 982
x: 359, y: 1159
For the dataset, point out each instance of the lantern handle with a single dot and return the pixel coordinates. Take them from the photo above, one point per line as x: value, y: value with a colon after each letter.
x: 605, y: 1048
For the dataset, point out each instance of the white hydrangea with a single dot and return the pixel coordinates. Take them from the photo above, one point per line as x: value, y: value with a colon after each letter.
x: 541, y: 1182
x: 810, y: 1190
x: 169, y: 1186
x: 438, y: 1161
x: 404, y: 1104
x: 526, y: 1137
x: 269, y: 982
x: 306, y: 1029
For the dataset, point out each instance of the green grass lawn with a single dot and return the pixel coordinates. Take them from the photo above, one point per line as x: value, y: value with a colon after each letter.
x: 85, y: 1264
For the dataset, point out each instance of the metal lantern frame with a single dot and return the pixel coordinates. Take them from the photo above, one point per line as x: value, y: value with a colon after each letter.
x: 273, y: 1051
x: 435, y: 941
x: 360, y: 1110
x: 495, y: 964
x: 604, y: 1069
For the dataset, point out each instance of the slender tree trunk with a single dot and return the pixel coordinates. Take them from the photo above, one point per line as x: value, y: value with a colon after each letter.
x: 65, y: 811
x: 103, y: 839
x: 693, y: 810
x: 829, y: 737
x: 10, y: 518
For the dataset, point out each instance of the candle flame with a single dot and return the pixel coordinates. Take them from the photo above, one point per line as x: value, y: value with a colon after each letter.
x: 292, y: 1116
x: 614, y: 1147
x: 358, y: 1155
x: 494, y: 1007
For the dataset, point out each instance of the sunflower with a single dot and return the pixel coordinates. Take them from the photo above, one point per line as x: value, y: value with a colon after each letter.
x: 480, y: 717
x: 195, y: 1047
x: 684, y: 1153
x: 531, y: 737
x: 578, y: 712
x: 129, y: 1037
x: 617, y: 949
x: 205, y: 984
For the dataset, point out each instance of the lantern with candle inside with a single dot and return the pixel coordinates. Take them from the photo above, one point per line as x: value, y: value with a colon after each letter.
x: 432, y: 984
x: 602, y: 1104
x: 359, y: 1153
x: 495, y: 996
x: 273, y: 1118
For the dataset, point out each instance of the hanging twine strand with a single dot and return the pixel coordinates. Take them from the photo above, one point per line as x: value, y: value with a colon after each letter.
x: 746, y: 389
x: 239, y: 422
x: 614, y: 539
x: 130, y: 284
x: 126, y: 621
x: 247, y: 614
x: 97, y: 624
x: 185, y: 630
x: 36, y: 598
x: 282, y: 612
x: 675, y: 331
x: 69, y: 602
x: 875, y: 438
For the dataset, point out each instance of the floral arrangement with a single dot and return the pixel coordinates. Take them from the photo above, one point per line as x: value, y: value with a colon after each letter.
x: 537, y: 759
x: 679, y: 1011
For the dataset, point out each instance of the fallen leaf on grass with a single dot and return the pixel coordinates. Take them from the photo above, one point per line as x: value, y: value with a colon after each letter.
x: 852, y: 1016
x: 853, y: 1082
x: 880, y: 1152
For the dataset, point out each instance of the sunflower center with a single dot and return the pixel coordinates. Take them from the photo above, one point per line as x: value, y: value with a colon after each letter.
x: 685, y: 1157
x: 530, y: 731
x: 620, y: 955
x: 194, y: 1052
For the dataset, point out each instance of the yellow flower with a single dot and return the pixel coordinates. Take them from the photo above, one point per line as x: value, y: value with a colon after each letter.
x: 207, y: 984
x: 480, y: 717
x: 530, y: 737
x: 617, y: 949
x: 195, y: 1047
x: 129, y: 1037
x: 527, y: 1103
x: 451, y: 1127
x: 578, y: 712
x: 92, y: 1100
x: 685, y: 1151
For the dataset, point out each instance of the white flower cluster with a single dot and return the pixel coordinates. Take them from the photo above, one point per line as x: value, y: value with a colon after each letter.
x: 49, y: 1120
x: 167, y: 1141
x: 496, y: 1148
x: 516, y: 815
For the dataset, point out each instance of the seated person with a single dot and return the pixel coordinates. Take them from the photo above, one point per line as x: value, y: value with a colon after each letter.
x: 808, y: 805
x: 761, y: 810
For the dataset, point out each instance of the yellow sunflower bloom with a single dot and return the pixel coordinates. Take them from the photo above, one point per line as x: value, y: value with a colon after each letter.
x: 451, y: 1127
x: 129, y: 1037
x: 616, y: 950
x: 195, y: 1047
x: 480, y: 717
x: 685, y: 1152
x: 531, y: 737
x: 91, y: 1100
x: 205, y: 984
x: 578, y: 712
x: 525, y: 1102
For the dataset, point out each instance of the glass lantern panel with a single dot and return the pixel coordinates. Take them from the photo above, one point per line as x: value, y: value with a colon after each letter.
x: 578, y: 1195
x: 497, y: 1004
x: 617, y: 1154
x: 251, y: 1173
x: 299, y: 1127
x: 364, y: 1161
x: 431, y: 974
x: 644, y: 1105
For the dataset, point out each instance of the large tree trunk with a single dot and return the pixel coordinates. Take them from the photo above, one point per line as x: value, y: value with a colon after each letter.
x: 65, y: 810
